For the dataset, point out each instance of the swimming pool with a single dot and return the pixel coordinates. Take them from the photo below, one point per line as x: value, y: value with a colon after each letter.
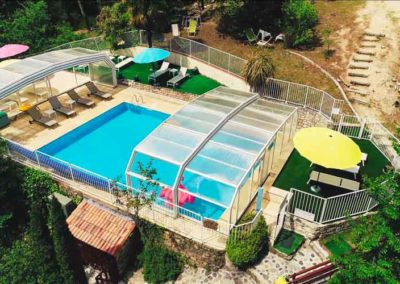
x: 104, y: 144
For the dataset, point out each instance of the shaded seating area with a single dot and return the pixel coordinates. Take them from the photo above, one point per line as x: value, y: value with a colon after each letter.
x: 334, y: 180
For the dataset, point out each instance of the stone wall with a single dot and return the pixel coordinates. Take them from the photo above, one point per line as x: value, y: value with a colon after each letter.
x: 310, y: 118
x: 313, y: 230
x: 197, y: 254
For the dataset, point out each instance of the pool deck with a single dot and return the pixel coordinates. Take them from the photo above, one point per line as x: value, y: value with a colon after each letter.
x: 33, y: 136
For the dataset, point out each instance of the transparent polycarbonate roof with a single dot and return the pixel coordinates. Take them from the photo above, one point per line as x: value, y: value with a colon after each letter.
x: 29, y: 70
x: 227, y: 155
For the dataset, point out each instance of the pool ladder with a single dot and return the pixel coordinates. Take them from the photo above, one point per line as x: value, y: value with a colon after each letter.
x: 137, y: 99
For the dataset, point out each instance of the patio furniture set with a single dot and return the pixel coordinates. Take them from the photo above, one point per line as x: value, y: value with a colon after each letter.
x: 178, y: 75
x: 45, y: 118
x: 262, y: 38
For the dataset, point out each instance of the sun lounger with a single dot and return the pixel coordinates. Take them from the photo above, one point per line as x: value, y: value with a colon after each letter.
x: 123, y: 63
x: 334, y: 180
x: 192, y: 27
x: 265, y: 38
x: 181, y: 75
x: 250, y: 35
x: 163, y: 69
x: 58, y: 107
x: 96, y: 92
x: 78, y: 99
x: 175, y: 30
x: 37, y: 116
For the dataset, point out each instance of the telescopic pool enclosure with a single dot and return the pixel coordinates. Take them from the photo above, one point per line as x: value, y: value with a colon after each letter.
x: 220, y: 148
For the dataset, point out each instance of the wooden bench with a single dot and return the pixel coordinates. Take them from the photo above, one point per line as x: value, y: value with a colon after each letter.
x: 334, y: 180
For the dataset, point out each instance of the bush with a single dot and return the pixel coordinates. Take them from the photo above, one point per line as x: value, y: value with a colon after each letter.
x: 299, y: 19
x: 248, y: 251
x: 38, y: 185
x: 160, y: 264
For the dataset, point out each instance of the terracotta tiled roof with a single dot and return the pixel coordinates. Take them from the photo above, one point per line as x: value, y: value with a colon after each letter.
x: 100, y: 227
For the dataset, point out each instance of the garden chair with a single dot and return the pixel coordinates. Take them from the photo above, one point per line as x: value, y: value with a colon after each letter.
x: 163, y: 69
x: 58, y: 107
x: 38, y: 117
x: 79, y: 100
x: 265, y: 38
x: 251, y: 36
x: 192, y: 27
x: 182, y: 74
x: 96, y: 92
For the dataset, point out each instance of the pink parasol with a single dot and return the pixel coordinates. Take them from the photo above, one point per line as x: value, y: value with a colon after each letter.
x: 183, y: 195
x: 10, y: 50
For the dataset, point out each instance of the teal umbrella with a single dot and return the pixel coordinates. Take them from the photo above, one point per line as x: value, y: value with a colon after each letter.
x: 151, y: 55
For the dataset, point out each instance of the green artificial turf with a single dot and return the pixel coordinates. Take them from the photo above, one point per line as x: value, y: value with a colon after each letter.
x: 297, y: 170
x: 337, y: 245
x: 288, y: 242
x: 195, y: 84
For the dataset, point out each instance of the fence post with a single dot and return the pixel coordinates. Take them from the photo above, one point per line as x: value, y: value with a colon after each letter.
x: 340, y: 123
x: 321, y: 218
x: 229, y: 63
x: 109, y: 191
x: 140, y: 37
x: 306, y: 98
x: 361, y: 128
x: 37, y: 159
x: 70, y: 169
x: 287, y: 93
x: 209, y: 54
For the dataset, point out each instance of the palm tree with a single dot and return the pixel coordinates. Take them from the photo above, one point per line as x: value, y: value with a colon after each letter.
x: 258, y: 69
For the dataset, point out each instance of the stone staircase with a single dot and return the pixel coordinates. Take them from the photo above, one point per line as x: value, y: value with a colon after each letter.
x: 359, y: 71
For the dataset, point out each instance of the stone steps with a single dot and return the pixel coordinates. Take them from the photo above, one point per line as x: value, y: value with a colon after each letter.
x: 358, y: 66
x: 359, y: 75
x: 370, y: 38
x: 365, y: 52
x: 361, y: 58
x: 360, y: 82
x: 373, y: 34
x: 367, y: 45
x: 360, y: 92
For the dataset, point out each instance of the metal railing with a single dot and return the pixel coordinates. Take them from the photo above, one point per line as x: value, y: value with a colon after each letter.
x: 161, y: 212
x: 302, y: 95
x: 369, y: 129
x: 322, y: 210
x: 240, y: 231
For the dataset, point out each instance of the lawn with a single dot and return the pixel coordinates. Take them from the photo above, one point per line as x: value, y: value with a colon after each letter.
x: 195, y: 84
x: 297, y: 170
x: 338, y: 244
x: 288, y: 242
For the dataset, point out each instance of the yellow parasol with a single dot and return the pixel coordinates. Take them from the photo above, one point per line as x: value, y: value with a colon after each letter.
x: 327, y: 148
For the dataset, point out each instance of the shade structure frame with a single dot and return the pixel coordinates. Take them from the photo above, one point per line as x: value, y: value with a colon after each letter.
x: 50, y: 63
x: 256, y: 108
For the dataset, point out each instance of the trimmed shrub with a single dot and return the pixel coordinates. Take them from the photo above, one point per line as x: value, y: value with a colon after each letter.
x: 160, y: 264
x: 249, y: 250
x: 299, y: 19
x: 37, y: 185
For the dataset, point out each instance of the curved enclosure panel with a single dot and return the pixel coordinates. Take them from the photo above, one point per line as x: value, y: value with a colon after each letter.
x: 219, y: 157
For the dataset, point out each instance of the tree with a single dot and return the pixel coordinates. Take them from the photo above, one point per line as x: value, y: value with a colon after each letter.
x: 67, y: 254
x: 113, y: 22
x: 376, y: 258
x: 299, y: 20
x: 258, y: 69
x: 32, y: 259
x: 33, y: 26
x: 326, y: 35
x: 37, y: 185
x: 13, y: 201
x: 151, y: 15
x: 143, y: 194
x: 83, y: 13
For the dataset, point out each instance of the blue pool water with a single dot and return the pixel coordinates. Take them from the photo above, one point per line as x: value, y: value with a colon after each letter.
x: 104, y: 145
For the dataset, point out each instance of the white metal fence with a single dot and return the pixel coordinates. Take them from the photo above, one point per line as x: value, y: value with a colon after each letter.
x: 322, y: 210
x: 302, y: 95
x: 370, y: 129
x: 191, y: 224
x: 238, y: 232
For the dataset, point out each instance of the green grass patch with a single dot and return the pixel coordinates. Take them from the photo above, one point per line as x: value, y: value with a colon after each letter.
x: 337, y: 245
x: 288, y: 242
x: 195, y: 84
x: 297, y: 170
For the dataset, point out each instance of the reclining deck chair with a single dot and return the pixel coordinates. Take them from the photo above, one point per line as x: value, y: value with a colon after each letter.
x: 37, y: 116
x: 58, y: 107
x: 182, y: 74
x: 79, y: 100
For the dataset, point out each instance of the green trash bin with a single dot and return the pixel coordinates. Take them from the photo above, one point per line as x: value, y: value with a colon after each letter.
x: 4, y: 121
